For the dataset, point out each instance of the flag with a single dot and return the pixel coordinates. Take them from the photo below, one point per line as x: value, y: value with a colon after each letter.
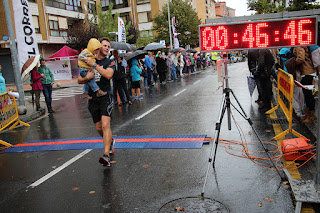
x: 175, y: 34
x: 25, y: 32
x: 121, y: 33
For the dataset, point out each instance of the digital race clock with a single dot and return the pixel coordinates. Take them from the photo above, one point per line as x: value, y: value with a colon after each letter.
x: 261, y: 34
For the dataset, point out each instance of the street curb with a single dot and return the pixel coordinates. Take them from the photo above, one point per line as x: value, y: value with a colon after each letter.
x: 32, y: 116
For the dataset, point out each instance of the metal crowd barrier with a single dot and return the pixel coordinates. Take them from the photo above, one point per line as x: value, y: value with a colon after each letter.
x: 285, y: 101
x: 9, y: 116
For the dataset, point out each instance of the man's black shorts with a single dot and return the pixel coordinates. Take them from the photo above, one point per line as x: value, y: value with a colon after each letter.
x: 100, y: 106
x: 135, y: 84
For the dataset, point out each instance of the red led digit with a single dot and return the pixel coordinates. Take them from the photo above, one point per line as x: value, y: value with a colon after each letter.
x: 248, y: 35
x: 222, y: 37
x: 304, y: 36
x: 261, y: 36
x: 208, y: 38
x: 290, y: 33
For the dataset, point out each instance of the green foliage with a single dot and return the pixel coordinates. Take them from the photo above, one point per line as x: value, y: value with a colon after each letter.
x: 143, y: 40
x: 264, y: 6
x: 303, y: 5
x: 187, y: 23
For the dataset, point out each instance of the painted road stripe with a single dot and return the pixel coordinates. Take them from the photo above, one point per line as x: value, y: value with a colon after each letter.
x: 149, y: 111
x: 63, y: 166
x: 196, y: 82
x: 180, y: 92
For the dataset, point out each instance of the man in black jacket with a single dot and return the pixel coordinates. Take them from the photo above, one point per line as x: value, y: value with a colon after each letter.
x: 260, y: 62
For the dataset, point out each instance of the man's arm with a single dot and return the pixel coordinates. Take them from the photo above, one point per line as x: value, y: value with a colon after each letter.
x: 83, y: 80
x: 107, y: 73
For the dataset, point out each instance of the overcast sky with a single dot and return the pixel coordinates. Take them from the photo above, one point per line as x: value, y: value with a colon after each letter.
x: 240, y: 6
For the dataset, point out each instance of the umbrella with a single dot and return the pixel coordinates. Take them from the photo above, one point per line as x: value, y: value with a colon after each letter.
x: 121, y: 46
x: 175, y: 50
x: 136, y: 54
x: 251, y: 84
x: 154, y: 46
x: 28, y: 66
x: 192, y: 51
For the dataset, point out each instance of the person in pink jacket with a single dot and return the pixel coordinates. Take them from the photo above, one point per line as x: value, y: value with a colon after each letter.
x: 36, y: 85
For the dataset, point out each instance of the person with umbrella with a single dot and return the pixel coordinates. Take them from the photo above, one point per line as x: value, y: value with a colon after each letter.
x: 36, y: 85
x: 161, y: 67
x: 135, y: 72
x: 148, y: 64
x: 47, y: 83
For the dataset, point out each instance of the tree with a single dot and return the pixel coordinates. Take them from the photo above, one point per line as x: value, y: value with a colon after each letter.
x: 80, y: 33
x: 303, y: 5
x: 143, y: 40
x: 265, y: 6
x: 187, y: 23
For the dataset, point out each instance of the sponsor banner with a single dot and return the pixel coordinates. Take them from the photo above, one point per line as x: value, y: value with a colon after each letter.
x: 121, y: 33
x: 25, y: 33
x: 61, y: 69
x: 175, y: 34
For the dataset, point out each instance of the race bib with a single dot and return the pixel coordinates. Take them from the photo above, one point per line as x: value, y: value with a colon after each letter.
x: 97, y: 75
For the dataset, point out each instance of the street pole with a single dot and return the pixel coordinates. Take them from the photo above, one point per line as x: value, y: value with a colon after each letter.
x: 169, y: 25
x: 14, y: 57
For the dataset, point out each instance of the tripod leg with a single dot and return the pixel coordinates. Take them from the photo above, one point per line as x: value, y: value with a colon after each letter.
x: 216, y: 137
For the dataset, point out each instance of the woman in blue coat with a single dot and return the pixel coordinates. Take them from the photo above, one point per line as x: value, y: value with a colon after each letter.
x: 135, y: 72
x: 3, y: 87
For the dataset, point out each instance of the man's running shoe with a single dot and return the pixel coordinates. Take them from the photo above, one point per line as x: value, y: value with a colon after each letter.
x: 111, y: 152
x: 105, y: 160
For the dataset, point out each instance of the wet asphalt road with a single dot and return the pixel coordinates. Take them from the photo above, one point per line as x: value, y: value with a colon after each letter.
x: 143, y: 180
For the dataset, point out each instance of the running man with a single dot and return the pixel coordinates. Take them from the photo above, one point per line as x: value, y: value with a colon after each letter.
x: 101, y: 107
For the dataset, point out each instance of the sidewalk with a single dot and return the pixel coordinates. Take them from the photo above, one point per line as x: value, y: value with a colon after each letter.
x: 32, y: 114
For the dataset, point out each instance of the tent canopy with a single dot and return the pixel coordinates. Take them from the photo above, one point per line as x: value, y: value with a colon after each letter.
x: 65, y: 51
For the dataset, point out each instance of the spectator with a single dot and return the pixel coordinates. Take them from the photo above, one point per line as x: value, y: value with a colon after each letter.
x: 154, y: 76
x: 3, y: 87
x: 161, y: 67
x: 303, y: 58
x: 174, y: 58
x: 192, y: 63
x: 148, y: 65
x: 36, y: 85
x: 169, y: 66
x: 188, y: 63
x: 181, y: 64
x: 47, y: 83
x: 135, y: 72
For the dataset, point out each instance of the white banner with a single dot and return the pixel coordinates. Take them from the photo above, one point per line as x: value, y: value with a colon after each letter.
x: 61, y: 69
x: 25, y: 33
x: 121, y: 33
x: 175, y: 34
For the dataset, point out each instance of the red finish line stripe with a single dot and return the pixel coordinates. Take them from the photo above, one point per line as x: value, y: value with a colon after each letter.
x: 117, y: 140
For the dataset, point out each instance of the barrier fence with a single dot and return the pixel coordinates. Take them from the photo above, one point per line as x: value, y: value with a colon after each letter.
x: 8, y: 114
x: 285, y: 101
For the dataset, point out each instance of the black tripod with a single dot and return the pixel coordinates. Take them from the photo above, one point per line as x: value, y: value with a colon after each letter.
x: 225, y: 107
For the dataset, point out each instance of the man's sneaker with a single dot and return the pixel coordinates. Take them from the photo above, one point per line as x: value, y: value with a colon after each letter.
x: 105, y: 160
x: 112, y: 147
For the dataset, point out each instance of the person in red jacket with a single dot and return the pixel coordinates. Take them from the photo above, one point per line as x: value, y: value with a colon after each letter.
x: 36, y: 85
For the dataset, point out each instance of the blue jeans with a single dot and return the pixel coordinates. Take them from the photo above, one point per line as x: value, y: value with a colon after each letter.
x: 47, y: 92
x: 173, y: 72
x: 91, y: 84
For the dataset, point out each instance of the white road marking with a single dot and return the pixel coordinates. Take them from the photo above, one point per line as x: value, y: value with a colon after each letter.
x: 196, y: 82
x: 54, y: 172
x: 147, y: 112
x: 180, y: 92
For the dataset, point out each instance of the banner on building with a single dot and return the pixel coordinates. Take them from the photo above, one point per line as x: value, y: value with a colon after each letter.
x: 25, y: 33
x: 175, y: 34
x: 61, y: 69
x: 121, y: 33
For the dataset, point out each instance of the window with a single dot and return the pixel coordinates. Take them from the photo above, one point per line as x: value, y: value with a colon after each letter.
x: 91, y: 7
x: 36, y: 23
x: 58, y: 26
x: 143, y: 1
x: 72, y: 5
x: 144, y: 17
x: 116, y: 4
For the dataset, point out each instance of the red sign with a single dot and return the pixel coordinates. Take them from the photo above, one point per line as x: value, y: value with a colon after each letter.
x: 267, y: 34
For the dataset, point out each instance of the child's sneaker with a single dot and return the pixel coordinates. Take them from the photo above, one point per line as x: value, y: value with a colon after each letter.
x: 111, y: 152
x: 87, y: 96
x: 101, y: 93
x: 105, y: 160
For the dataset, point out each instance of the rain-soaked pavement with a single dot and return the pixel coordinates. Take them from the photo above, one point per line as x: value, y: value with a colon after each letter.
x: 144, y: 180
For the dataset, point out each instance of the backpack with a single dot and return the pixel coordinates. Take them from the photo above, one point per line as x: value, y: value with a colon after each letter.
x: 292, y: 67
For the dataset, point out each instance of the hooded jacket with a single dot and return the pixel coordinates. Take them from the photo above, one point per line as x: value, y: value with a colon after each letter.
x: 135, y: 71
x: 93, y: 44
x: 3, y: 88
x: 303, y: 57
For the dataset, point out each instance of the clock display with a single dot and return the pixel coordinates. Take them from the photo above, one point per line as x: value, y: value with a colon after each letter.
x: 262, y: 34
